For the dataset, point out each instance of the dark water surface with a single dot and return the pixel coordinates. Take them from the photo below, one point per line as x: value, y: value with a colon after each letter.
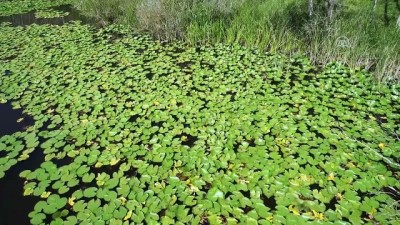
x: 29, y: 18
x: 9, y: 117
x: 14, y: 207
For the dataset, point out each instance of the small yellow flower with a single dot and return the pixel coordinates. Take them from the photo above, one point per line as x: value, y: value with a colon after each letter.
x: 294, y: 210
x: 193, y: 188
x: 113, y: 161
x: 331, y: 176
x: 317, y: 215
x: 71, y: 201
x: 339, y: 196
x: 372, y: 212
x: 45, y: 194
x: 128, y: 215
x: 381, y: 145
x: 123, y: 200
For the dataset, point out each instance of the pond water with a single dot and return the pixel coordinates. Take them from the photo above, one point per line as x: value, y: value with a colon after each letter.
x: 11, y: 190
x: 11, y: 186
x: 9, y: 117
x: 29, y: 18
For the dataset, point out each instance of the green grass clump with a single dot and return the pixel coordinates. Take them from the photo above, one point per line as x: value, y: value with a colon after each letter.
x: 110, y: 11
x: 359, y: 36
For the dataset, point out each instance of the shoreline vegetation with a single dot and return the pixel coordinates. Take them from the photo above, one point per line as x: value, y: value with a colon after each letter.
x: 358, y: 33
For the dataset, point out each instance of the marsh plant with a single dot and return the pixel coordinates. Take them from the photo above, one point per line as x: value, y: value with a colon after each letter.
x: 164, y: 19
x: 170, y: 19
x: 165, y: 133
x: 110, y: 11
x: 137, y: 131
x: 275, y: 26
x: 8, y: 8
x: 46, y: 14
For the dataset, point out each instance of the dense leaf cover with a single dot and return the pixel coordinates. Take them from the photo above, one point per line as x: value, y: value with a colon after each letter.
x: 153, y: 133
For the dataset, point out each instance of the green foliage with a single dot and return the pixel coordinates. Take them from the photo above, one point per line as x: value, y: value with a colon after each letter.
x: 167, y: 133
x: 357, y: 36
x: 22, y: 6
x: 110, y: 11
x: 50, y: 14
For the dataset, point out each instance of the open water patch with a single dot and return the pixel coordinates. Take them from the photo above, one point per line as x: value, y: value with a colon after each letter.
x: 18, y: 206
x: 11, y: 185
x: 29, y: 18
x: 13, y: 120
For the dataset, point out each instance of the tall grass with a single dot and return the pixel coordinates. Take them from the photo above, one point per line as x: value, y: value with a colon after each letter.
x: 110, y: 11
x: 357, y: 38
x: 164, y: 19
x: 360, y: 35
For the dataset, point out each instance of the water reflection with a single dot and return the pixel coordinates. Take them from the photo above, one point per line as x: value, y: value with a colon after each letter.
x: 29, y: 18
x: 9, y: 117
x: 14, y: 206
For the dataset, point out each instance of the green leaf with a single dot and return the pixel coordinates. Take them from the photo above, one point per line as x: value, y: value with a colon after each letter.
x: 214, y: 194
x: 90, y: 192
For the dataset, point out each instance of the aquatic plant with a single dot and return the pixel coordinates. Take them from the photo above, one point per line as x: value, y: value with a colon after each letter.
x: 50, y: 13
x: 22, y: 6
x: 137, y: 131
